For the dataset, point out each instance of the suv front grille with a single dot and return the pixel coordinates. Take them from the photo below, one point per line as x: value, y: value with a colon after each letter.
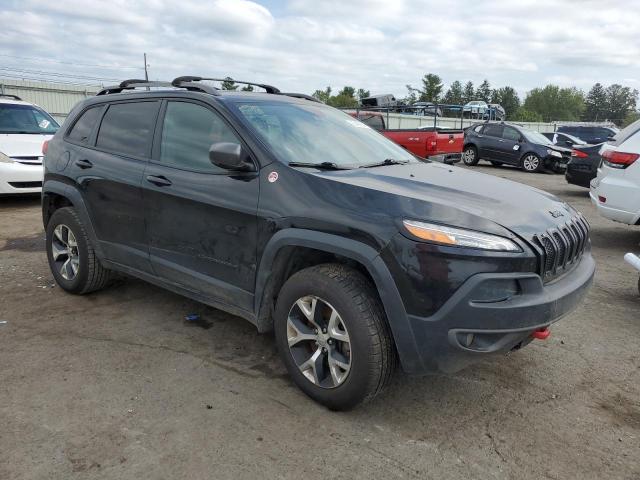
x: 562, y: 247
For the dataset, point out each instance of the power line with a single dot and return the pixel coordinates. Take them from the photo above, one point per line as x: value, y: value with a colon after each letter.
x: 41, y: 59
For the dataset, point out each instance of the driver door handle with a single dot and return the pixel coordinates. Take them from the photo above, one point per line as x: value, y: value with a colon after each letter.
x: 84, y: 163
x: 159, y: 180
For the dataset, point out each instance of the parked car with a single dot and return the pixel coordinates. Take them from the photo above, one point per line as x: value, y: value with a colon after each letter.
x: 427, y: 109
x: 616, y: 190
x: 23, y: 129
x: 588, y: 133
x: 502, y: 143
x: 495, y: 111
x: 585, y: 158
x: 476, y: 108
x: 433, y: 142
x: 302, y: 220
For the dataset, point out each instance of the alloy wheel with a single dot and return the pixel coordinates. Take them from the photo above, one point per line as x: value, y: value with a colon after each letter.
x: 64, y: 250
x: 468, y: 156
x: 319, y: 342
x: 531, y: 163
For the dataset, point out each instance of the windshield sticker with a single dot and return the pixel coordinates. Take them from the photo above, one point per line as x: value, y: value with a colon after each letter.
x: 357, y: 123
x: 273, y: 176
x: 44, y: 123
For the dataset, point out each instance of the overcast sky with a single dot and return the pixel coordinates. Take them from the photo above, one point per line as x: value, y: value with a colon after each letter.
x: 303, y: 45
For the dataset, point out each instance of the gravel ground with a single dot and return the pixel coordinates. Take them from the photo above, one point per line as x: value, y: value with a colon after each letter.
x: 116, y: 385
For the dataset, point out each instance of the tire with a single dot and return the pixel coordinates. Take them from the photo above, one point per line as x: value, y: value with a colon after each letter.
x: 531, y: 163
x: 470, y: 156
x: 77, y: 270
x: 366, y: 359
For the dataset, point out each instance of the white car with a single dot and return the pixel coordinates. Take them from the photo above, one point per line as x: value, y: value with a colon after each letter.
x: 476, y: 107
x: 24, y: 127
x: 616, y: 190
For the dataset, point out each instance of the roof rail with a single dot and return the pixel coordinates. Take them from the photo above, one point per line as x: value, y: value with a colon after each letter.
x: 180, y: 81
x: 301, y: 95
x: 130, y: 85
x: 8, y: 95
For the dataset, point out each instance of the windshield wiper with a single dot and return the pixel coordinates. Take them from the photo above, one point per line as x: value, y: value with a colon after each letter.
x: 321, y: 165
x: 388, y: 161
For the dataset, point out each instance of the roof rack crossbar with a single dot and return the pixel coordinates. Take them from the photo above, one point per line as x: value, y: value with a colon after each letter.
x: 192, y: 79
x: 8, y: 95
x: 130, y: 85
x: 301, y: 95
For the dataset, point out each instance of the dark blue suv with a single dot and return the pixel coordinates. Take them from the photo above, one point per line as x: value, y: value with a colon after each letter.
x: 502, y: 143
x: 308, y: 223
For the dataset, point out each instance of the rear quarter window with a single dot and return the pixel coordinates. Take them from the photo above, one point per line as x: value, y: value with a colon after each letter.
x: 127, y: 128
x: 81, y: 130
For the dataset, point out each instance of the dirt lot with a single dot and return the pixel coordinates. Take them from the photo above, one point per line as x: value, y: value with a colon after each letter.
x: 116, y: 385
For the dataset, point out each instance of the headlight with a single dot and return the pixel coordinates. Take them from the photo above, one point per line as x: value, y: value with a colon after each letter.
x: 5, y: 158
x: 459, y: 237
x: 554, y: 153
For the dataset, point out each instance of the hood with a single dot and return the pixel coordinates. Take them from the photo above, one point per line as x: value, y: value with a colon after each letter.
x: 22, y: 145
x: 449, y: 194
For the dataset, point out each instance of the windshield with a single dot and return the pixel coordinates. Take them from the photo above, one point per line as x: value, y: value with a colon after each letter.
x: 19, y: 118
x: 314, y: 134
x: 535, y: 137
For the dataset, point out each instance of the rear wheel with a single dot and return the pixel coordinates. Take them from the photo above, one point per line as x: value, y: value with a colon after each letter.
x: 470, y: 155
x: 333, y: 336
x: 531, y: 163
x: 72, y: 259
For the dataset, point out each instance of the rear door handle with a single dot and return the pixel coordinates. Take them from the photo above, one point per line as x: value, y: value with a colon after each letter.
x: 84, y: 163
x: 159, y: 180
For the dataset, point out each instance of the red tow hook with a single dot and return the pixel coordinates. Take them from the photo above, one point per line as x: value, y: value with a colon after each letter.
x: 541, y: 334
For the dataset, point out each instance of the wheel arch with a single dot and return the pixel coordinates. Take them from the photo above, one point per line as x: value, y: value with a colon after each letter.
x: 278, y: 264
x: 55, y: 195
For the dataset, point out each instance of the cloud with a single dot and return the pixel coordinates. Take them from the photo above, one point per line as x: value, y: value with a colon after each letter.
x: 303, y: 45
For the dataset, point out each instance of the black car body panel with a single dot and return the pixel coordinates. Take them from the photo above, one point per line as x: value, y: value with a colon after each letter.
x: 507, y: 143
x: 585, y: 158
x: 590, y: 134
x: 226, y: 238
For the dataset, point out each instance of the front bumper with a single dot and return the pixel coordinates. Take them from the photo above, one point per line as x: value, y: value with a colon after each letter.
x: 556, y: 164
x: 17, y: 178
x: 464, y: 329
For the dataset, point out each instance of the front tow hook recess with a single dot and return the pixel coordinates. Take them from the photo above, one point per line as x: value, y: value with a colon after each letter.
x: 541, y: 334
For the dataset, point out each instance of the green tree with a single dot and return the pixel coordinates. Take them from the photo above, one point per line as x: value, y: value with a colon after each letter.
x: 483, y: 92
x: 431, y: 88
x: 468, y: 93
x: 508, y: 98
x: 555, y: 103
x: 362, y: 93
x: 454, y: 95
x: 630, y: 118
x: 411, y: 97
x: 595, y: 104
x: 620, y: 101
x: 346, y: 98
x: 247, y: 88
x: 229, y: 84
x: 322, y: 95
x: 524, y: 115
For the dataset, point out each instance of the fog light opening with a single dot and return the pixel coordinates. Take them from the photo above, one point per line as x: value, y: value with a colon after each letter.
x: 468, y: 340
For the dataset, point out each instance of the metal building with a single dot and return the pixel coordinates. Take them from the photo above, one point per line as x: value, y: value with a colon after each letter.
x: 56, y: 98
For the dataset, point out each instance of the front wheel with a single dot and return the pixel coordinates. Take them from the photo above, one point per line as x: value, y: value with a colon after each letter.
x: 333, y: 337
x: 531, y: 163
x: 470, y: 156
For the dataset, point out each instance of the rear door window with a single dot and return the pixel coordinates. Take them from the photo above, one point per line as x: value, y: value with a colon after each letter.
x: 493, y: 130
x: 127, y: 128
x: 82, y: 129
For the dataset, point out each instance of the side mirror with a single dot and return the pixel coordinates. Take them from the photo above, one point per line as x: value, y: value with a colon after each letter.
x: 229, y: 156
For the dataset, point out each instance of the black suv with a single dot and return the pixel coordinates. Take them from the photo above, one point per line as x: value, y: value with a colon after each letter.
x: 502, y: 143
x: 304, y: 221
x: 589, y: 133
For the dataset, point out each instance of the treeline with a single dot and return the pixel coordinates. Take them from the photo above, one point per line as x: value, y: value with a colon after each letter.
x: 614, y: 103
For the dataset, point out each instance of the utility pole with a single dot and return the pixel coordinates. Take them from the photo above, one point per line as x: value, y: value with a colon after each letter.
x: 146, y: 74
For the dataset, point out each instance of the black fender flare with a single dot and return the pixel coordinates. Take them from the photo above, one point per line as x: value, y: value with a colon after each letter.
x: 365, y: 255
x: 75, y: 197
